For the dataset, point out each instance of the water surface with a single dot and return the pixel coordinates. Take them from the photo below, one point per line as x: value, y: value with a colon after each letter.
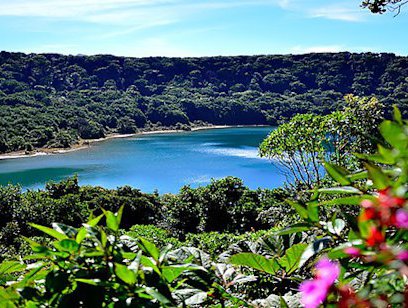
x: 164, y: 162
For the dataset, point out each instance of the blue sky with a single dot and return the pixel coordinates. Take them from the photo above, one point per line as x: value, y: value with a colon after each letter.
x: 198, y: 28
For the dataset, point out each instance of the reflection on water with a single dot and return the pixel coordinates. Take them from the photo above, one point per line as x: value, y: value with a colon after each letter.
x: 164, y: 162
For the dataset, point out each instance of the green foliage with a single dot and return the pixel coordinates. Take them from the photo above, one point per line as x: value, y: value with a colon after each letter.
x: 377, y: 238
x: 92, y: 266
x: 190, y: 211
x: 301, y: 145
x: 53, y: 100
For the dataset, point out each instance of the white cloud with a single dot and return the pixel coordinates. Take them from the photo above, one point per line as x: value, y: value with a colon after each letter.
x: 338, y: 13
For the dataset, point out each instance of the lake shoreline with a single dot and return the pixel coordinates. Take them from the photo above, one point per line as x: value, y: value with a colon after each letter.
x: 85, y: 144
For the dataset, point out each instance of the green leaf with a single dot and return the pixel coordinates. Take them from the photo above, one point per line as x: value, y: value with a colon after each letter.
x: 67, y: 245
x: 173, y: 271
x: 125, y: 274
x: 149, y: 248
x: 313, y: 211
x: 338, y: 173
x: 49, y: 231
x: 340, y: 190
x: 9, y: 267
x: 352, y: 200
x: 397, y: 115
x: 299, y: 209
x: 255, y: 261
x: 36, y: 273
x: 112, y: 221
x: 81, y: 235
x: 387, y: 155
x: 380, y: 179
x: 65, y: 229
x: 36, y: 247
x: 296, y: 228
x: 93, y: 222
x: 93, y: 282
x: 283, y: 303
x: 393, y: 134
x: 147, y: 262
x: 292, y: 257
x: 119, y: 214
x: 158, y: 296
x: 358, y: 176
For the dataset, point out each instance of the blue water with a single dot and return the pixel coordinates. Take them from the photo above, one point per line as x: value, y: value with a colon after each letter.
x: 163, y: 162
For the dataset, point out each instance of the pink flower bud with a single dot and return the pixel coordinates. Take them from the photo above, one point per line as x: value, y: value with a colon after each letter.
x: 401, y: 219
x: 327, y: 271
x: 352, y: 251
x: 403, y: 255
x: 313, y: 293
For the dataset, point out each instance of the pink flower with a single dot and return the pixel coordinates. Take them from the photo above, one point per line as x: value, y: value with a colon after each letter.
x: 386, y: 199
x: 401, y: 219
x: 327, y: 271
x: 367, y: 204
x: 352, y: 251
x: 402, y: 255
x: 314, y: 292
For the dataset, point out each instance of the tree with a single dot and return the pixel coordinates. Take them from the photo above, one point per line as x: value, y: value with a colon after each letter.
x: 301, y: 145
x: 298, y: 146
x: 381, y: 6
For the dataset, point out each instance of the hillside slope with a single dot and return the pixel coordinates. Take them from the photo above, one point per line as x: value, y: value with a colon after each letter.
x: 51, y: 100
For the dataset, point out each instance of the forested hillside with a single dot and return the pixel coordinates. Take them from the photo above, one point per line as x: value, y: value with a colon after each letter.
x: 51, y: 100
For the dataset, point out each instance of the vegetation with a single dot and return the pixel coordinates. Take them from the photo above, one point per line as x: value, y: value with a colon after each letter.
x: 353, y: 232
x: 225, y: 205
x: 381, y: 6
x: 301, y: 144
x: 51, y: 100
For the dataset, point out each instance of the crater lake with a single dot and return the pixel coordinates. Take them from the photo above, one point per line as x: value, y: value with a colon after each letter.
x: 162, y: 162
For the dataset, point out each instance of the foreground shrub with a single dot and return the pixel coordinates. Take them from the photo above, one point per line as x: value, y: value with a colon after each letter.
x: 369, y: 252
x: 93, y: 266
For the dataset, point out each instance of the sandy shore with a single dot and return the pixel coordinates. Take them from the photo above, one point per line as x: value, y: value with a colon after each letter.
x: 84, y: 144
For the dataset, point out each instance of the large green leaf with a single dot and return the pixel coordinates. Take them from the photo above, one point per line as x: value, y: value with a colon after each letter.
x: 393, y: 134
x: 313, y: 211
x: 58, y: 235
x: 290, y: 261
x: 94, y: 221
x: 171, y: 272
x: 67, y: 245
x: 125, y: 274
x: 302, y: 211
x: 149, y: 248
x: 379, y: 178
x: 112, y: 221
x: 9, y: 267
x: 295, y: 228
x: 255, y: 261
x: 65, y: 229
x: 351, y: 200
x: 338, y: 173
x: 158, y: 296
x: 340, y: 190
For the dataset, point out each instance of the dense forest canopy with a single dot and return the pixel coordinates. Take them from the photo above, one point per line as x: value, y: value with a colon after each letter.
x: 51, y: 100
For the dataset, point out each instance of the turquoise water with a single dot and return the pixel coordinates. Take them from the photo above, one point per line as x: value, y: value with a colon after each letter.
x: 164, y: 162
